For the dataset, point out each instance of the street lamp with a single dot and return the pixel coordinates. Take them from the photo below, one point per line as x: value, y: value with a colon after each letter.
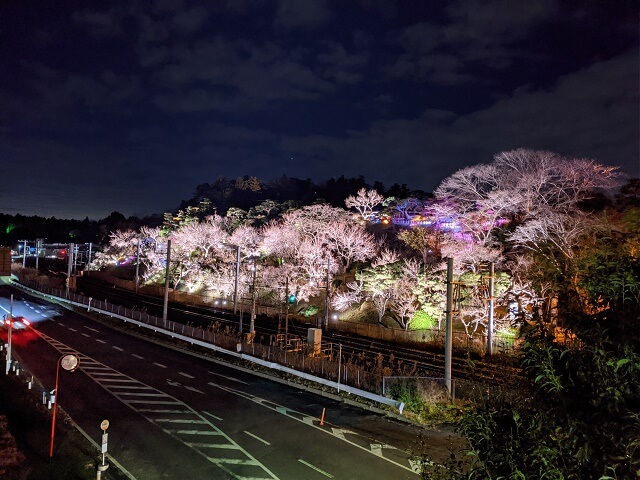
x: 137, y: 264
x: 70, y: 251
x: 253, y: 299
x: 326, y: 296
x: 70, y: 363
x: 165, y: 304
x: 9, y: 323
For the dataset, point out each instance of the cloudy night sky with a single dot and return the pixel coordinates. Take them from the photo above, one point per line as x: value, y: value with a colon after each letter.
x: 128, y: 106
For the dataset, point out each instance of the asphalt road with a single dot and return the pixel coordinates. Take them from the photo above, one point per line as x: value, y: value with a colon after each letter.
x: 175, y: 416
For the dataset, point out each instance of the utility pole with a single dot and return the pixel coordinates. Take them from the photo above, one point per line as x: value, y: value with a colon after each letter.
x: 10, y: 325
x: 165, y: 304
x: 235, y: 291
x: 69, y: 266
x: 24, y: 254
x: 286, y: 314
x: 491, y: 309
x: 252, y: 325
x: 137, y: 265
x: 38, y: 241
x: 448, y: 338
x: 326, y: 296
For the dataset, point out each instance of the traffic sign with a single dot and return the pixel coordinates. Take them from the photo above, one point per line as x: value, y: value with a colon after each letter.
x: 105, y: 436
x: 104, y: 425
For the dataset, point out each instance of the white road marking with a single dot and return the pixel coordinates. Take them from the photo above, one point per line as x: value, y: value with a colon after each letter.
x: 137, y: 356
x: 193, y: 389
x: 313, y: 422
x: 159, y: 365
x: 315, y: 468
x: 85, y: 335
x: 60, y: 323
x: 186, y: 375
x: 101, y: 341
x: 73, y: 329
x: 227, y: 377
x: 92, y: 329
x: 212, y: 416
x: 118, y: 348
x: 256, y: 437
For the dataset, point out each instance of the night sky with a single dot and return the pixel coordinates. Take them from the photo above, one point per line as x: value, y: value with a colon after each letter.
x: 128, y: 106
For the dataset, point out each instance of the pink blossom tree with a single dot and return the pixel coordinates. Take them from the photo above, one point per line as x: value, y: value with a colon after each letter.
x: 364, y: 202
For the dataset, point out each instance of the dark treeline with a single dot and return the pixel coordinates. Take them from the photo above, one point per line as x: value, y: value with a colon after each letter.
x: 247, y: 192
x: 243, y: 193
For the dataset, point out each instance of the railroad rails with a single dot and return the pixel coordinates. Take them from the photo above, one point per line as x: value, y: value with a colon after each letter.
x: 362, y: 350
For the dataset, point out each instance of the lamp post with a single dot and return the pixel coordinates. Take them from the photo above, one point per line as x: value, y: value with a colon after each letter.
x: 9, y: 323
x: 448, y: 338
x: 235, y: 291
x: 490, y: 325
x: 165, y: 304
x: 326, y: 296
x: 38, y: 243
x: 70, y: 363
x: 69, y: 266
x: 253, y: 299
x: 137, y: 265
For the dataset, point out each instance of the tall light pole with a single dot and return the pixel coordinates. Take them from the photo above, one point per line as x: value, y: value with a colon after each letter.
x: 448, y: 337
x: 286, y: 315
x: 326, y: 296
x: 89, y: 256
x: 491, y: 309
x: 235, y: 291
x: 253, y: 299
x: 165, y: 304
x: 69, y: 266
x: 38, y: 242
x: 9, y: 323
x: 24, y: 254
x: 137, y: 265
x: 70, y: 363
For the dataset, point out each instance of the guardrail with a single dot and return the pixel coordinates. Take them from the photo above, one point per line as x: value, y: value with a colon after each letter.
x: 269, y: 356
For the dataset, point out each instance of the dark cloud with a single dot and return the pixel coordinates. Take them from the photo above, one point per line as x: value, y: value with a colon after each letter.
x: 129, y: 105
x: 591, y: 113
x: 295, y: 14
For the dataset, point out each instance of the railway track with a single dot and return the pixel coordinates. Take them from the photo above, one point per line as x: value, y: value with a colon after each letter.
x: 354, y: 348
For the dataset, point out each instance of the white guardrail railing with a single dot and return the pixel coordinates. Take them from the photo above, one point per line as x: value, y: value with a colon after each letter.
x: 271, y: 365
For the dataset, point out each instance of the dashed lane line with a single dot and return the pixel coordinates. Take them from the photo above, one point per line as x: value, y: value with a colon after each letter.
x: 256, y: 437
x: 118, y: 348
x: 227, y: 377
x: 186, y: 375
x: 212, y: 416
x: 137, y: 356
x: 159, y: 365
x: 315, y: 468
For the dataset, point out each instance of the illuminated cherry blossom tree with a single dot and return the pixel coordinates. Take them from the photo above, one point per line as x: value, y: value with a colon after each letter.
x: 364, y: 202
